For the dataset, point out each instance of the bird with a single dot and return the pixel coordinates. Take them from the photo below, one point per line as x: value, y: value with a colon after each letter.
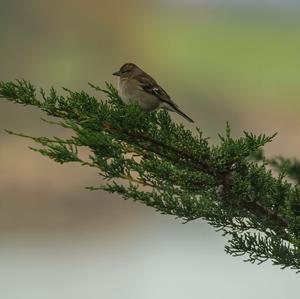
x: 135, y: 85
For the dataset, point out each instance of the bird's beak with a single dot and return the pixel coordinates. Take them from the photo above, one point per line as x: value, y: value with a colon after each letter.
x: 116, y: 73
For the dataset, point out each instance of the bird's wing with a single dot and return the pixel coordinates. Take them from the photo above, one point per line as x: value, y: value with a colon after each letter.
x: 149, y: 85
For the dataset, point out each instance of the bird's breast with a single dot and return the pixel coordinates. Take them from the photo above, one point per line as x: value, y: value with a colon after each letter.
x: 130, y: 92
x: 125, y: 91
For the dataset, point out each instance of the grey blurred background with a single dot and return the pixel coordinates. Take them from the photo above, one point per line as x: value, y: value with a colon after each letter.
x: 220, y: 60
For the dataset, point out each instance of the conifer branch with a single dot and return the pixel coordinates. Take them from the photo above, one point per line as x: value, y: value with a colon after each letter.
x: 149, y: 158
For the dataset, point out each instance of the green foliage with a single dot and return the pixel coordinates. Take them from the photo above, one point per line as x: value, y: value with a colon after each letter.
x: 150, y: 159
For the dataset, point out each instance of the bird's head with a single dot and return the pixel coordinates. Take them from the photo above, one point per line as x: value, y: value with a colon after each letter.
x: 128, y: 70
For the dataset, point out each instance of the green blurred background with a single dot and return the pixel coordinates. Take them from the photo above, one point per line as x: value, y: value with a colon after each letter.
x: 219, y: 60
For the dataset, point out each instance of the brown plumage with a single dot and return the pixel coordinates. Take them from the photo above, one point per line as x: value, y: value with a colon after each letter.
x: 137, y: 86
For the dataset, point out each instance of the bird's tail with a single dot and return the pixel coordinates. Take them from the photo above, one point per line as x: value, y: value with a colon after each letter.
x: 173, y: 107
x: 183, y: 114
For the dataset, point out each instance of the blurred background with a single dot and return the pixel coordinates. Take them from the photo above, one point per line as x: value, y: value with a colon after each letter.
x: 220, y: 60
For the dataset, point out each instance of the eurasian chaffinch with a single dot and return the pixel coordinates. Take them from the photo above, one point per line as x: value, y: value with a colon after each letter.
x: 134, y: 85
